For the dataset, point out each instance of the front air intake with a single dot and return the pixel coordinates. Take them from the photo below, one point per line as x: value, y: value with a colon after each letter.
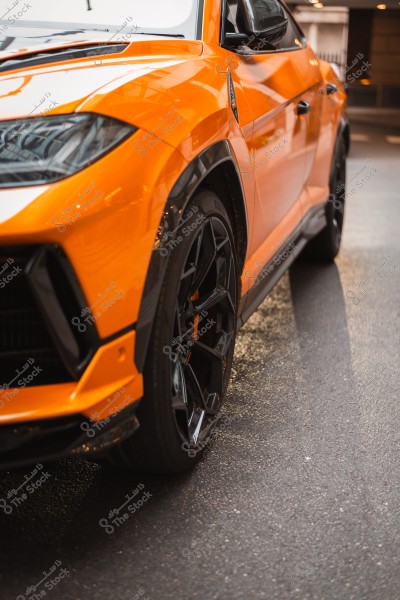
x: 25, y: 341
x: 39, y: 297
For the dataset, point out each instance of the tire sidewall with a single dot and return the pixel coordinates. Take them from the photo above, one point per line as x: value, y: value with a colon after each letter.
x: 340, y: 155
x: 157, y: 403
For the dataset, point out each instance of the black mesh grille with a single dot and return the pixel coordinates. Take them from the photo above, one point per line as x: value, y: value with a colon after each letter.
x: 24, y: 337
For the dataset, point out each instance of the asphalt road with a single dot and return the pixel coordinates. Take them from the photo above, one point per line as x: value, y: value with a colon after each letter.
x: 298, y: 496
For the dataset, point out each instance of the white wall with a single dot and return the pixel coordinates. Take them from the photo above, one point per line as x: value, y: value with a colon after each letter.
x: 327, y: 31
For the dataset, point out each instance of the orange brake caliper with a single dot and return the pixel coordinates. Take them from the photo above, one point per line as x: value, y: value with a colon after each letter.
x: 196, y: 319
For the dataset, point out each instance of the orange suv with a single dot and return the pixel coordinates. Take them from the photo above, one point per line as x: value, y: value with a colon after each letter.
x: 161, y: 165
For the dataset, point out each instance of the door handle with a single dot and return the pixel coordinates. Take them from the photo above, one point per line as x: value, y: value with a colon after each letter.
x: 303, y: 108
x: 331, y: 89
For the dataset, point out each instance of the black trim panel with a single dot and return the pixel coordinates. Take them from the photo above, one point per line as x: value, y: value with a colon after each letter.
x: 51, y: 439
x: 60, y: 299
x: 43, y: 57
x: 182, y: 192
x: 313, y: 222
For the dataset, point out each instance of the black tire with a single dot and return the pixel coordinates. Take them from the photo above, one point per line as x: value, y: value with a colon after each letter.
x: 188, y: 363
x: 325, y: 246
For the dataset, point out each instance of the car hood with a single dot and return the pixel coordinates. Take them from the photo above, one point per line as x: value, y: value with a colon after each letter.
x: 57, y: 72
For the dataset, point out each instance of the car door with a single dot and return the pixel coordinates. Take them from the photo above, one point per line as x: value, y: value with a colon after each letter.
x: 276, y: 78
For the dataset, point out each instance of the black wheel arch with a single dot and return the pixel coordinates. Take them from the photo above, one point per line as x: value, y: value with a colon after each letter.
x: 215, y: 168
x: 344, y: 132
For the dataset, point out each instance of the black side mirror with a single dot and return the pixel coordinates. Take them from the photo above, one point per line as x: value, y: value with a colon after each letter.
x: 264, y: 19
x: 234, y: 40
x: 275, y: 32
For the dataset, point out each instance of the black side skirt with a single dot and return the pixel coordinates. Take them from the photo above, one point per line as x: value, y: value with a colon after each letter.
x: 313, y: 222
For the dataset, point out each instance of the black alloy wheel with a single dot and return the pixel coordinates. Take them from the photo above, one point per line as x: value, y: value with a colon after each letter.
x: 205, y: 321
x: 191, y: 349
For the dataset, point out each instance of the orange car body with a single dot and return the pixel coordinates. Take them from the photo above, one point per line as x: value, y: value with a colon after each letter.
x: 106, y: 218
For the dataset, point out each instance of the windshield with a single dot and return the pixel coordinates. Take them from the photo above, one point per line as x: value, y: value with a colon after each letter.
x: 175, y: 18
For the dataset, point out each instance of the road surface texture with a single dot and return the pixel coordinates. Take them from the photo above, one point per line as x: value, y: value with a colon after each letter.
x: 298, y: 494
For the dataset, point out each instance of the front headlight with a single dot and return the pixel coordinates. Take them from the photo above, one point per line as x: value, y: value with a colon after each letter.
x: 42, y: 150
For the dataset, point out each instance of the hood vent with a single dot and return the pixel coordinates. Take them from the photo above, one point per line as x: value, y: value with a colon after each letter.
x: 60, y: 54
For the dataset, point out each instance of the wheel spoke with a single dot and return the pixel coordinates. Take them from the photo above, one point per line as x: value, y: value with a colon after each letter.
x: 207, y: 284
x: 216, y: 356
x: 178, y: 403
x: 179, y: 399
x: 221, y: 243
x: 195, y: 425
x: 193, y: 386
x: 209, y: 300
x: 222, y: 271
x: 213, y: 403
x: 220, y: 350
x: 187, y: 282
x: 189, y: 273
x: 206, y: 257
x: 198, y: 414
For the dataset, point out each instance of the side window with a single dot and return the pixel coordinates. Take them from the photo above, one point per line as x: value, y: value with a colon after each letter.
x: 262, y: 14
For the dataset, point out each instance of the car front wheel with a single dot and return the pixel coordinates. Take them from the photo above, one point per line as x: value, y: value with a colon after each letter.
x: 191, y: 350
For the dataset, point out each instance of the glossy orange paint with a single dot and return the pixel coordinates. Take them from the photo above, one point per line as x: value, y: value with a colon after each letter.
x: 109, y: 371
x: 106, y: 217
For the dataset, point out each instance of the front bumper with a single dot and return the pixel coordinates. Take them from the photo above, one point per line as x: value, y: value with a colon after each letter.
x: 105, y: 219
x: 40, y: 441
x: 63, y: 388
x: 47, y: 422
